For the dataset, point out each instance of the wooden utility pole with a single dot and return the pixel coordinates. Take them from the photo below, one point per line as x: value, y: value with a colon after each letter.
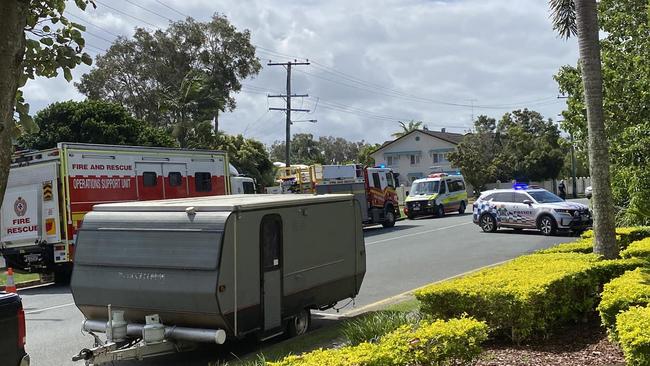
x: 288, y: 109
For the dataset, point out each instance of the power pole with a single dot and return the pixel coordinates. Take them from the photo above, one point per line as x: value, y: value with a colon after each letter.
x: 288, y: 109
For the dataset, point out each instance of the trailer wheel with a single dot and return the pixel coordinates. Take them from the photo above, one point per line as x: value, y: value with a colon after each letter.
x: 299, y: 324
x: 389, y: 217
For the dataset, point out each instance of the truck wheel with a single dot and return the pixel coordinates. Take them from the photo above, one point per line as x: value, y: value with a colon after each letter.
x: 389, y: 218
x: 461, y: 209
x: 547, y: 225
x: 440, y: 211
x: 62, y: 277
x: 299, y: 324
x: 488, y: 223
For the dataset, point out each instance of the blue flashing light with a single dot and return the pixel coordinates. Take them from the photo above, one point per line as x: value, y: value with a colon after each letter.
x: 520, y: 186
x: 381, y: 166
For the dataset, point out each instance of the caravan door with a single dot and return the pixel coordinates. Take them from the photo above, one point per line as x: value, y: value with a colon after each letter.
x: 271, y: 271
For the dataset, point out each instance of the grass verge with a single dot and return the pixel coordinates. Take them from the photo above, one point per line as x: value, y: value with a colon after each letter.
x: 18, y: 277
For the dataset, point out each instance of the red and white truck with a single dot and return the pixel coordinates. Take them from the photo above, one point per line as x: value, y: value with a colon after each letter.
x: 50, y: 191
x: 374, y: 188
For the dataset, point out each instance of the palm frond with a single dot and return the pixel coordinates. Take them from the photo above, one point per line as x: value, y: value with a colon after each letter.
x: 563, y: 15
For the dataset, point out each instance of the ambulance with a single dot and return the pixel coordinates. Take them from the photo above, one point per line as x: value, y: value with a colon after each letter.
x: 437, y: 194
x: 49, y: 192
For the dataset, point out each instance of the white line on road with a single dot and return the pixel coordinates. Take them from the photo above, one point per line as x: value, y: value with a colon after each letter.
x: 418, y: 233
x: 50, y: 308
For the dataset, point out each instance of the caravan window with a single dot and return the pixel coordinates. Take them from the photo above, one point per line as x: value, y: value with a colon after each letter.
x: 149, y: 179
x: 271, y: 241
x: 202, y: 182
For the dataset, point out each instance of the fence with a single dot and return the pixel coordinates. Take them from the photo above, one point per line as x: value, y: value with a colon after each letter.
x: 550, y: 185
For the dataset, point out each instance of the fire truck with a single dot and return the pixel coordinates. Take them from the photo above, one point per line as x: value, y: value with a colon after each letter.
x: 373, y: 188
x: 49, y: 191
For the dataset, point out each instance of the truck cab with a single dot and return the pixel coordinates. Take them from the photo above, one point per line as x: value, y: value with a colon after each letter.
x: 12, y: 331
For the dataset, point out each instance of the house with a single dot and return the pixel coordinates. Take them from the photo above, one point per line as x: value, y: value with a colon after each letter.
x: 418, y: 153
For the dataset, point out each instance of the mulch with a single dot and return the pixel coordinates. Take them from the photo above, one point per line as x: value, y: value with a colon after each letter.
x: 584, y: 344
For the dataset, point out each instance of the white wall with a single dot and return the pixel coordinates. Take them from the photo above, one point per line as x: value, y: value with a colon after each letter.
x: 417, y: 143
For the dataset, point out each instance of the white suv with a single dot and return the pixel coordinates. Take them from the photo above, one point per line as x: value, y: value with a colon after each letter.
x: 529, y: 208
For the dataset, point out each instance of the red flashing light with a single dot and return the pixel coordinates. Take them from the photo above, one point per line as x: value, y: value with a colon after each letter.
x: 437, y: 175
x: 22, y: 331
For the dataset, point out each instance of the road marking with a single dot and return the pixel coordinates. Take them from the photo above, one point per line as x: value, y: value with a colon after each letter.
x: 418, y: 233
x: 50, y: 308
x: 407, y: 294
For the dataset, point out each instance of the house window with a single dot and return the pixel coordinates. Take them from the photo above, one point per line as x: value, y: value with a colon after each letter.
x: 202, y: 182
x: 417, y: 138
x: 415, y: 159
x: 436, y: 158
x: 389, y: 160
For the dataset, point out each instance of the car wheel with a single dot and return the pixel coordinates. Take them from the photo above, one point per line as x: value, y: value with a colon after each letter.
x: 461, y: 209
x: 299, y: 324
x: 488, y: 223
x: 440, y: 211
x: 547, y: 225
x: 389, y: 218
x: 411, y: 217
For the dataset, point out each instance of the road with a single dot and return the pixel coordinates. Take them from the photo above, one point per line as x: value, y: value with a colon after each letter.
x: 410, y: 255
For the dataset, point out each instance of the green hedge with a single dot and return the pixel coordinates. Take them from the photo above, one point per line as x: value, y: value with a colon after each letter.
x: 625, y: 235
x: 585, y: 246
x: 631, y: 289
x: 634, y: 335
x: 428, y: 343
x: 530, y: 294
x: 638, y: 249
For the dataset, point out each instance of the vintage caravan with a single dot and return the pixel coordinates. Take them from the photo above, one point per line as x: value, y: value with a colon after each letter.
x: 209, y: 268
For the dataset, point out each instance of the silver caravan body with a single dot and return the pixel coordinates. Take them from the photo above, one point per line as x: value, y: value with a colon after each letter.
x: 239, y: 264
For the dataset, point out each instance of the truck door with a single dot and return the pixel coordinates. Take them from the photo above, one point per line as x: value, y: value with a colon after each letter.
x: 175, y: 180
x: 150, y: 181
x: 271, y: 271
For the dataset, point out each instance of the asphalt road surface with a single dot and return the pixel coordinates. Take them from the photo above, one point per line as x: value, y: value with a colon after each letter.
x: 410, y: 255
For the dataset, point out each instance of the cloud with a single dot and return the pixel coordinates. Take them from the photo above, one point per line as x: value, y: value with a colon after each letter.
x: 373, y: 61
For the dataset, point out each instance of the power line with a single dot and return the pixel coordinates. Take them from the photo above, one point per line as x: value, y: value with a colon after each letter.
x: 94, y: 25
x: 172, y: 9
x: 149, y: 10
x: 127, y: 14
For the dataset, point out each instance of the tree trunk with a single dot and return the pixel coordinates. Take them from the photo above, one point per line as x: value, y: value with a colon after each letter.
x: 12, y: 48
x: 603, y: 205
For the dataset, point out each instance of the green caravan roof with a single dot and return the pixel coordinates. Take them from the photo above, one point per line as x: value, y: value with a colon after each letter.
x: 240, y: 202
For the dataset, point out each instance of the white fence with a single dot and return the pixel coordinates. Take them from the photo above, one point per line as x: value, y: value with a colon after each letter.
x: 550, y: 185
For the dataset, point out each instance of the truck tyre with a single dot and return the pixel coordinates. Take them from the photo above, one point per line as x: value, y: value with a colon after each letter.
x: 299, y: 324
x: 488, y: 223
x: 389, y: 217
x: 440, y: 211
x: 461, y: 209
x: 547, y: 225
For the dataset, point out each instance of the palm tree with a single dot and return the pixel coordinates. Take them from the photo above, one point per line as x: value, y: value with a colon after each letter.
x: 580, y: 17
x: 412, y: 126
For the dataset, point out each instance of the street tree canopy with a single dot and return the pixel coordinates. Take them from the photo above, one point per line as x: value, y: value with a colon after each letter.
x: 177, y: 77
x: 521, y: 145
x: 326, y: 150
x: 94, y: 122
x: 37, y: 41
x: 625, y: 52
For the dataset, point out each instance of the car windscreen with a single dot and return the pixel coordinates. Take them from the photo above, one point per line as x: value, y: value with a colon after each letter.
x: 422, y: 188
x: 544, y: 197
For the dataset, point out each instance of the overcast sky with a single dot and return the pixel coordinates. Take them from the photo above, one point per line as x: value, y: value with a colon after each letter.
x: 374, y: 62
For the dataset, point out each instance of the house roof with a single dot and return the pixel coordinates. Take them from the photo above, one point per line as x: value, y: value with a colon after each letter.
x: 451, y: 137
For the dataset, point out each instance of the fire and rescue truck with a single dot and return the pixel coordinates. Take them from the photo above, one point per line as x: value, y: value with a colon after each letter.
x: 49, y: 191
x: 374, y: 188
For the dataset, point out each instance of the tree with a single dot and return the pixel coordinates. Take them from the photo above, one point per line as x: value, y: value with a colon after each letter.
x: 626, y: 79
x: 521, y: 146
x: 326, y: 150
x: 36, y: 39
x: 364, y: 157
x: 177, y: 77
x: 92, y: 122
x: 580, y: 17
x: 406, y: 128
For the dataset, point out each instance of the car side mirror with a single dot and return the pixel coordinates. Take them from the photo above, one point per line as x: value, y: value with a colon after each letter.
x: 528, y: 202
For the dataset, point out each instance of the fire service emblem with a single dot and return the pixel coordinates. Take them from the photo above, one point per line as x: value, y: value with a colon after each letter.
x: 20, y: 206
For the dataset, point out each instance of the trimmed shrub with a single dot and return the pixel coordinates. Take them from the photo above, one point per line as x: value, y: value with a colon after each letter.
x: 370, y: 327
x: 634, y: 335
x: 625, y: 235
x: 584, y: 246
x: 638, y: 249
x: 630, y: 289
x: 428, y: 343
x: 530, y: 294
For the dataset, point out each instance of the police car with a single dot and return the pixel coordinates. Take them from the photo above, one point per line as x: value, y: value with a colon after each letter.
x: 524, y: 207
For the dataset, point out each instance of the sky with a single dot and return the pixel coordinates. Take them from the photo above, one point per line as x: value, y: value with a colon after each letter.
x: 373, y: 63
